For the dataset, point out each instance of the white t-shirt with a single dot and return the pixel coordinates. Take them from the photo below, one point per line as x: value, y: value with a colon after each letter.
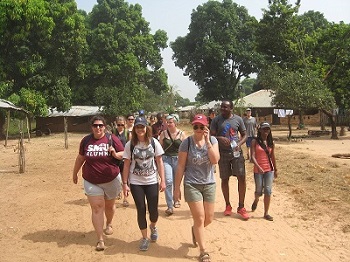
x: 143, y: 169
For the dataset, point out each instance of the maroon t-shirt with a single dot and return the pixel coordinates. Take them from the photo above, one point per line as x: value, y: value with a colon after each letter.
x: 99, y: 166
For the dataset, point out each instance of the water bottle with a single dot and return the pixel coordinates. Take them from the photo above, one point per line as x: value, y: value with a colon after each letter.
x: 233, y: 146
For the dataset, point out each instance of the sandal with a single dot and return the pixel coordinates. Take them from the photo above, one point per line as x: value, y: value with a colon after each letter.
x: 169, y: 212
x: 194, y: 241
x: 100, y: 246
x: 254, y: 206
x: 204, y: 257
x: 109, y: 229
x: 125, y: 203
x: 268, y: 217
x: 177, y: 204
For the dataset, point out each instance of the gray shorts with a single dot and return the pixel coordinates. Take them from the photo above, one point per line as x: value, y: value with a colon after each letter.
x: 231, y: 166
x: 196, y: 192
x: 109, y: 190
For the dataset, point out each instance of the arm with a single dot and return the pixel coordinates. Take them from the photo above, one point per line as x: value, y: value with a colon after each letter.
x: 273, y: 159
x: 213, y: 149
x: 181, y: 163
x: 161, y: 137
x: 160, y: 167
x: 79, y: 161
x: 125, y: 176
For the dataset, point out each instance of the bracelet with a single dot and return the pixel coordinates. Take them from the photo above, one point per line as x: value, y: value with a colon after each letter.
x: 125, y: 183
x: 209, y: 147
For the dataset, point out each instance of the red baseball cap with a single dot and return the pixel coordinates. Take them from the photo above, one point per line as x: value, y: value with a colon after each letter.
x: 200, y: 119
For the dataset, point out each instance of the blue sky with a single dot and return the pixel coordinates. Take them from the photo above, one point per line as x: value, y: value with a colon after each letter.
x: 174, y: 17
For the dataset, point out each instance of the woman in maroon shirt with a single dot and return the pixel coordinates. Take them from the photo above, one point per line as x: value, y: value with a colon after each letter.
x: 101, y: 175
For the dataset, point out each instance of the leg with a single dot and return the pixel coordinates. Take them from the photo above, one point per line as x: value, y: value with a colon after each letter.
x: 268, y: 180
x: 258, y: 179
x: 168, y: 171
x: 97, y: 204
x: 241, y: 190
x: 138, y: 194
x: 109, y: 213
x: 152, y: 196
x: 198, y: 215
x: 225, y: 190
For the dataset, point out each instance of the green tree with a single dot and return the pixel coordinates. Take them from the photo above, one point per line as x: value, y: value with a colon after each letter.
x: 218, y: 50
x: 123, y: 58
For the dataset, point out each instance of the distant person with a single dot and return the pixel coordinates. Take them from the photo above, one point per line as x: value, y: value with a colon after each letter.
x: 143, y: 176
x: 211, y: 115
x: 101, y: 175
x: 250, y: 125
x: 159, y: 126
x: 141, y: 113
x: 263, y: 157
x: 152, y: 120
x: 130, y: 119
x: 198, y: 154
x: 228, y: 128
x: 123, y: 135
x: 170, y: 140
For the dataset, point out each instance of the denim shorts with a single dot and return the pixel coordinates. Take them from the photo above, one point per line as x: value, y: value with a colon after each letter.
x: 263, y: 181
x: 196, y: 192
x: 109, y: 190
x: 249, y: 140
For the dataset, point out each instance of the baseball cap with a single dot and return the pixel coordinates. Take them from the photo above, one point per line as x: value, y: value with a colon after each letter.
x: 141, y: 112
x: 140, y: 121
x: 264, y: 125
x: 200, y: 119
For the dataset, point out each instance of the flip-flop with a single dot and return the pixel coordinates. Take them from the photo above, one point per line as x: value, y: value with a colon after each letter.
x: 254, y: 206
x: 204, y: 257
x: 125, y: 203
x: 177, y: 204
x: 100, y: 246
x: 268, y: 217
x: 109, y: 230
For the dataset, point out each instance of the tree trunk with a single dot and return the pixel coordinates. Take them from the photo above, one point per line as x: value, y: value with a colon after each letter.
x: 333, y: 124
x: 289, y: 127
x: 301, y: 120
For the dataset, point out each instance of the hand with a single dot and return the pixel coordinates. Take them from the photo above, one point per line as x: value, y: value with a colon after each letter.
x: 75, y: 178
x: 162, y: 186
x: 111, y: 150
x: 206, y: 134
x: 177, y: 194
x: 275, y: 174
x: 261, y: 171
x: 126, y: 190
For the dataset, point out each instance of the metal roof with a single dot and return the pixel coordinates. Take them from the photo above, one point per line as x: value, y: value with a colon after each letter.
x: 8, y: 105
x: 77, y: 111
x: 258, y: 99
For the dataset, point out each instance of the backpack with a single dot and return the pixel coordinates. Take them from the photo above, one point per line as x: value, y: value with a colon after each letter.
x: 110, y: 143
x: 133, y: 146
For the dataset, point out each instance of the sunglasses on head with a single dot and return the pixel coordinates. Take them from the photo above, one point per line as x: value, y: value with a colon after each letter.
x: 195, y: 127
x: 120, y: 124
x: 98, y: 125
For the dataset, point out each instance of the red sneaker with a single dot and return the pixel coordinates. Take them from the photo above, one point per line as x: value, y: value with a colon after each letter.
x: 228, y: 211
x: 243, y: 213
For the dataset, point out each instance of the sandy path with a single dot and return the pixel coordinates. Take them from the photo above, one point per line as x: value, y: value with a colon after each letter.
x: 45, y: 217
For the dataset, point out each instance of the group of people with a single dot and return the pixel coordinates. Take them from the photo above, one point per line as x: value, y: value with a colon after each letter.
x: 146, y: 160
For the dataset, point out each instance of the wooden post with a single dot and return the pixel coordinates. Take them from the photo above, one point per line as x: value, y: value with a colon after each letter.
x: 8, y: 127
x: 65, y: 132
x: 21, y: 149
x: 28, y: 131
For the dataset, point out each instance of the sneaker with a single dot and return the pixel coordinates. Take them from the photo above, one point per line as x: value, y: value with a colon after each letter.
x: 243, y: 213
x: 144, y: 244
x: 154, y: 234
x: 228, y: 211
x: 169, y: 212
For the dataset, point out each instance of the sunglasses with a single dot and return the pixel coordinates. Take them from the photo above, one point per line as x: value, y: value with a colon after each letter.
x: 120, y: 124
x: 195, y: 127
x: 131, y: 119
x: 98, y: 125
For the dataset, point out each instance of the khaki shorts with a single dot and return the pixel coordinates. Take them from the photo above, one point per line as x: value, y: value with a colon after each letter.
x: 196, y: 192
x: 109, y: 190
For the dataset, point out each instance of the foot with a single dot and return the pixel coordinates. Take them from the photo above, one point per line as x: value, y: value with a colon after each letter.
x: 268, y: 217
x: 169, y: 212
x: 254, y: 205
x: 144, y: 244
x: 177, y: 204
x: 204, y: 257
x: 154, y: 234
x: 125, y: 203
x: 100, y: 246
x: 228, y: 211
x: 243, y: 213
x: 109, y: 229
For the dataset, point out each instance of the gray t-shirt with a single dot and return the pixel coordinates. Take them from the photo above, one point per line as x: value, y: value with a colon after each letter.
x: 250, y: 125
x: 199, y: 169
x: 229, y: 128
